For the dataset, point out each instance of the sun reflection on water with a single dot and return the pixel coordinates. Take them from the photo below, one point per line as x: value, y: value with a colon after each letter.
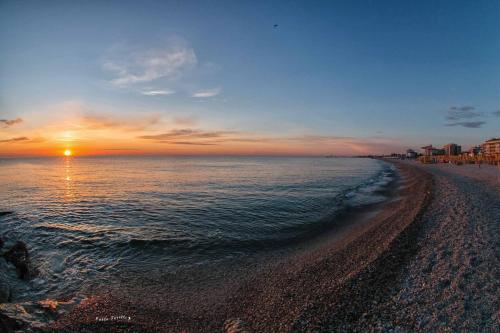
x: 69, y: 189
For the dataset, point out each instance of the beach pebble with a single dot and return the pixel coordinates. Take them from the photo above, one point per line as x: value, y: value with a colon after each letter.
x: 235, y: 325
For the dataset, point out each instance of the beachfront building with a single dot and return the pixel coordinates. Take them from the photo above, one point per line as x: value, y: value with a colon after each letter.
x: 432, y: 151
x: 488, y: 152
x: 491, y: 147
x: 474, y: 151
x: 410, y: 153
x: 452, y: 149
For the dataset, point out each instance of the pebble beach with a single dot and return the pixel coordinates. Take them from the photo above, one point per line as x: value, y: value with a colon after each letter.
x: 426, y: 262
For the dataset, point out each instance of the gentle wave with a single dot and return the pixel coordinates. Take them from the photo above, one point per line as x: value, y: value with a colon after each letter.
x: 90, y: 219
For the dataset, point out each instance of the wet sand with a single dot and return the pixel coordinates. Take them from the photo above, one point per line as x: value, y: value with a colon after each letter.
x: 426, y: 261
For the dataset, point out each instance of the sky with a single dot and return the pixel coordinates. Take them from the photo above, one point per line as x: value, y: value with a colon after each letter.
x: 247, y: 77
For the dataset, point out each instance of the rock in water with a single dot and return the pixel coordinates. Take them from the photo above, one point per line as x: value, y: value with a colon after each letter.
x: 1, y: 243
x: 235, y: 325
x: 4, y: 284
x: 22, y: 317
x: 18, y: 256
x: 32, y: 316
x: 5, y: 213
x: 4, y: 290
x: 7, y: 324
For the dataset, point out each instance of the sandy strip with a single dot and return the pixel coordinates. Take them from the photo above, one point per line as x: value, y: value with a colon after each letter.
x: 427, y: 262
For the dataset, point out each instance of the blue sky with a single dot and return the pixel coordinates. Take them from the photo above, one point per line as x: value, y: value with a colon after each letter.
x: 387, y: 74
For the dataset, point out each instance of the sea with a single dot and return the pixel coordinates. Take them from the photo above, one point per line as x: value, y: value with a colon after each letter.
x: 88, y: 220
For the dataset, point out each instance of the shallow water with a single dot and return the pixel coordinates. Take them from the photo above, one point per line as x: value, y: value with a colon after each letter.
x: 86, y: 220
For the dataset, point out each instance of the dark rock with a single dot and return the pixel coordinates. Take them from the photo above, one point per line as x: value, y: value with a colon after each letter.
x: 1, y: 243
x: 33, y: 316
x: 5, y: 290
x: 22, y: 317
x: 18, y: 256
x: 5, y: 213
x: 8, y: 324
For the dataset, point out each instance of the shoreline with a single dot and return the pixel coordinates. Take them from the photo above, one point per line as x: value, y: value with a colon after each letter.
x: 277, y: 289
x: 332, y: 278
x: 417, y: 262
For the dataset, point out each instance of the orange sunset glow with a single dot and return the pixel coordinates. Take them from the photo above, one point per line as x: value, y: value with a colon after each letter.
x: 75, y: 124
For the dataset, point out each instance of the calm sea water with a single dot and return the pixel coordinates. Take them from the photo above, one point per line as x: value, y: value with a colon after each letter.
x: 86, y: 220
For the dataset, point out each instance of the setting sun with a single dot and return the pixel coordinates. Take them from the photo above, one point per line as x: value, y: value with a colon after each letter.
x: 68, y: 152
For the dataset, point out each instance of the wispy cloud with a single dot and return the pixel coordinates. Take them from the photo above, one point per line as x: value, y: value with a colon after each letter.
x: 92, y: 121
x: 188, y: 136
x: 464, y: 116
x: 74, y: 115
x: 157, y: 92
x: 205, y: 93
x: 462, y: 112
x: 346, y: 144
x: 186, y: 133
x: 191, y: 143
x: 10, y: 122
x: 18, y: 139
x: 121, y: 149
x: 468, y: 124
x: 136, y: 66
x: 261, y: 144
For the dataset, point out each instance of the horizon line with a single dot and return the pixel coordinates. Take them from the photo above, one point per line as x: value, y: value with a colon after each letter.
x: 185, y: 155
